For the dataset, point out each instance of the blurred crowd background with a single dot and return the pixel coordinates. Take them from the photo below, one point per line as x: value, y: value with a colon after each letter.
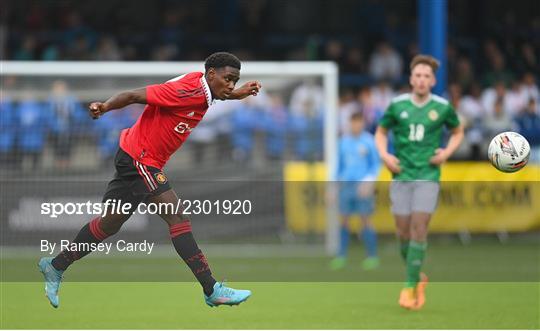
x: 493, y: 70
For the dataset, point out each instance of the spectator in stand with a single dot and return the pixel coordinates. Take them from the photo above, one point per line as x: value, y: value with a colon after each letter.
x: 245, y: 120
x: 334, y: 51
x: 382, y: 94
x: 528, y: 61
x: 108, y: 50
x: 306, y: 128
x: 464, y: 73
x: 498, y: 121
x: 371, y: 112
x: 530, y: 87
x: 67, y: 117
x: 216, y: 130
x: 516, y: 98
x: 493, y: 94
x: 32, y: 130
x: 165, y: 52
x: 8, y: 130
x: 354, y: 62
x: 109, y: 128
x: 307, y: 91
x: 348, y: 104
x: 75, y: 30
x: 275, y: 126
x: 79, y: 50
x: 528, y: 124
x: 498, y: 71
x: 473, y: 113
x: 27, y: 50
x: 385, y: 63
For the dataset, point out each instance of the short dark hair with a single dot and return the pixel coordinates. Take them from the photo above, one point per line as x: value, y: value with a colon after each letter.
x: 357, y: 116
x: 425, y: 59
x: 221, y: 60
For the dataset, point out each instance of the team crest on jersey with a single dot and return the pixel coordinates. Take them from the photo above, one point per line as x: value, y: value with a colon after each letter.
x: 404, y: 114
x: 433, y: 115
x: 160, y: 177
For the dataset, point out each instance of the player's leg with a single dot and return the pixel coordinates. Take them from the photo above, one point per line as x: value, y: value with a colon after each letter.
x: 401, y: 200
x: 94, y: 232
x: 417, y: 246
x: 340, y: 261
x: 185, y: 245
x: 366, y: 207
x: 121, y: 190
x: 369, y: 237
x: 425, y: 199
x: 403, y: 233
x: 346, y: 199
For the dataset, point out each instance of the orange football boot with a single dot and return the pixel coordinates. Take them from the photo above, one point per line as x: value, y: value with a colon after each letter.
x: 421, y: 292
x: 407, y: 298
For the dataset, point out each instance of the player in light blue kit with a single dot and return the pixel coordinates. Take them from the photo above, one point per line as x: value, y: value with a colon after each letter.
x: 357, y: 171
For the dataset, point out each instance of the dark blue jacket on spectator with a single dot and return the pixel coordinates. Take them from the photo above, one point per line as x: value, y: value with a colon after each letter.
x: 307, y: 133
x: 33, y: 126
x: 245, y: 121
x: 68, y: 116
x: 529, y: 127
x: 8, y: 125
x: 109, y: 128
x: 274, y: 124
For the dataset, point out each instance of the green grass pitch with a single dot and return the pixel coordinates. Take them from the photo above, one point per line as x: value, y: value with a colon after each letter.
x: 333, y: 301
x: 273, y: 306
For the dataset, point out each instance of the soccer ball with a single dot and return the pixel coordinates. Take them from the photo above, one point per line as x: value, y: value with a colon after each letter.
x: 509, y: 151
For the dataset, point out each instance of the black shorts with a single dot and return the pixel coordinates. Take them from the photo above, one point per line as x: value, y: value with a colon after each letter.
x: 134, y: 182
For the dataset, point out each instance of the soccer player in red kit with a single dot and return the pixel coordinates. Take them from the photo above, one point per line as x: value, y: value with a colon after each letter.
x: 173, y: 109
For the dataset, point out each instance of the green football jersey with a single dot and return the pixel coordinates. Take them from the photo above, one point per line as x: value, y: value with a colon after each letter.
x: 417, y: 131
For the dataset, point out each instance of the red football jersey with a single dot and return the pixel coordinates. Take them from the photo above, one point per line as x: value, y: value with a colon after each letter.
x: 173, y: 109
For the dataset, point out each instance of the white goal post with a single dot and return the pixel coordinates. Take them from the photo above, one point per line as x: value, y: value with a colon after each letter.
x: 263, y: 71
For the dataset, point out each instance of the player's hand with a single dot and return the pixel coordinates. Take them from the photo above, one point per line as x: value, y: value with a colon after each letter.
x: 96, y: 109
x: 440, y: 157
x: 392, y: 163
x: 250, y: 88
x: 365, y: 189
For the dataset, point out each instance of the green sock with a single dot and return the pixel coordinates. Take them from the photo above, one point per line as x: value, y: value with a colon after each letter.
x: 404, y: 248
x: 415, y: 257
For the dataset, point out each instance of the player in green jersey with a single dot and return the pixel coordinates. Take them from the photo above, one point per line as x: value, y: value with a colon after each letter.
x: 416, y: 120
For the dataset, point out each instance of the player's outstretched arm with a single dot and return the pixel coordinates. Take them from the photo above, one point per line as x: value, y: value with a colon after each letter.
x: 250, y: 88
x: 381, y: 142
x: 119, y: 100
x: 442, y: 154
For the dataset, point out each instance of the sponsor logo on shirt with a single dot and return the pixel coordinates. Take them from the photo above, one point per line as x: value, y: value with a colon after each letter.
x: 183, y: 127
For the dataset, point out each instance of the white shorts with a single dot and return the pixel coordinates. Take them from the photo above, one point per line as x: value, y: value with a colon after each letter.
x: 414, y: 196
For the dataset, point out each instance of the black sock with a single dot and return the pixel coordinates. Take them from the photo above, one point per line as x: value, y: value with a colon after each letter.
x: 187, y: 248
x: 90, y: 233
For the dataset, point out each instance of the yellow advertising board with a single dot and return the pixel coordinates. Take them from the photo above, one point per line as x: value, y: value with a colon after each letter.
x: 474, y: 197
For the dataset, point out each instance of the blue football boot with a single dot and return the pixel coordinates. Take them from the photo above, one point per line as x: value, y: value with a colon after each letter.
x: 224, y: 295
x: 53, y: 278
